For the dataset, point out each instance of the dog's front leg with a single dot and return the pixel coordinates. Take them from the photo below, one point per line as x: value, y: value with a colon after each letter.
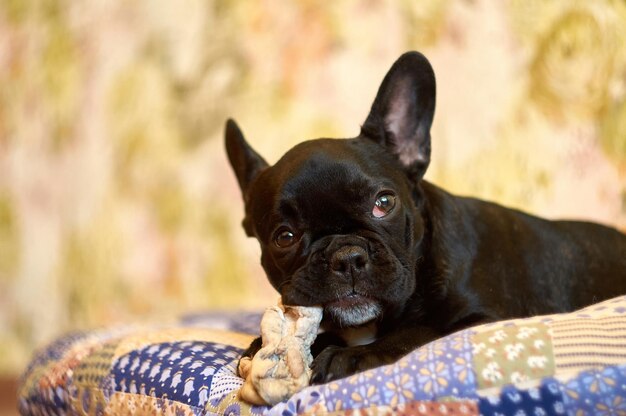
x: 336, y: 362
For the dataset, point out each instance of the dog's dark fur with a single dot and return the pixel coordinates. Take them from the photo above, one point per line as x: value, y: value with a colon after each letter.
x: 434, y: 264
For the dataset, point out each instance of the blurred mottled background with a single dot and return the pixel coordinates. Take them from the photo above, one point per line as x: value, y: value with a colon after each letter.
x: 116, y: 201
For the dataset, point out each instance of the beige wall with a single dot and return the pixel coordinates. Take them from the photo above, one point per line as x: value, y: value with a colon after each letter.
x: 116, y: 202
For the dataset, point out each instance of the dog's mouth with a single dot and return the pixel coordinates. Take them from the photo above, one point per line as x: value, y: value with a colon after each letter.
x: 353, y: 309
x: 350, y: 300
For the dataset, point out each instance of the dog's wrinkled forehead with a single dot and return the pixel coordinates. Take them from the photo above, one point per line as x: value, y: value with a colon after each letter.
x: 327, y: 177
x: 322, y: 181
x: 324, y: 171
x: 324, y: 165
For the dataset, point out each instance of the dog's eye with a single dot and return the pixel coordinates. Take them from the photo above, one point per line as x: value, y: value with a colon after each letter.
x: 284, y: 238
x: 384, y: 205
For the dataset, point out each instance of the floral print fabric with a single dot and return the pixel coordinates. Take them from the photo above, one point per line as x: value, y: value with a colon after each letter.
x: 535, y: 366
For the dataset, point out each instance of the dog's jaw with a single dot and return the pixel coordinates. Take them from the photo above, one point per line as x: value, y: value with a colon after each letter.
x: 352, y: 311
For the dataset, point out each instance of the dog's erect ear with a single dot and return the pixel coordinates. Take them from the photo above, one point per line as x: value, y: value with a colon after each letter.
x: 246, y: 163
x: 403, y: 110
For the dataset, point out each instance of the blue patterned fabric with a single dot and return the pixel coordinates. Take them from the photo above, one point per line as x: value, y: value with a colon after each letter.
x: 571, y: 364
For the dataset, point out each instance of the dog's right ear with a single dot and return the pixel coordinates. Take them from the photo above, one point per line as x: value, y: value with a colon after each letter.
x: 246, y: 163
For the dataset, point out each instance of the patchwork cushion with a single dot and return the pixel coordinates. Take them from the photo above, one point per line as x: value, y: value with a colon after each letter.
x: 559, y: 364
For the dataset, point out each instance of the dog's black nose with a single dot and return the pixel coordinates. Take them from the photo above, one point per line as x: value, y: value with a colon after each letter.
x: 349, y: 259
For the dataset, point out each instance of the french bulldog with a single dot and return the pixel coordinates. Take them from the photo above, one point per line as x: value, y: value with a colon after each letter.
x: 395, y: 261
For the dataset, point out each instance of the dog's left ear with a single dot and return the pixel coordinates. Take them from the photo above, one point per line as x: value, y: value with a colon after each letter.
x: 403, y: 111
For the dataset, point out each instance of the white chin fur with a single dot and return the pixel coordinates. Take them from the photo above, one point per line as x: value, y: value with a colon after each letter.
x: 354, y: 315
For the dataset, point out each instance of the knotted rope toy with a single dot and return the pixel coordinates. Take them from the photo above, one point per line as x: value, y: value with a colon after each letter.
x: 281, y: 367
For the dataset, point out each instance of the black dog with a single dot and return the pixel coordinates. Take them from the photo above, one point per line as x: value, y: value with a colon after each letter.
x: 352, y: 226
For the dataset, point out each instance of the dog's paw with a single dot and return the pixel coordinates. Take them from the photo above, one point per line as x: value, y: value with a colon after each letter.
x: 251, y: 351
x: 337, y: 362
x: 254, y: 347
